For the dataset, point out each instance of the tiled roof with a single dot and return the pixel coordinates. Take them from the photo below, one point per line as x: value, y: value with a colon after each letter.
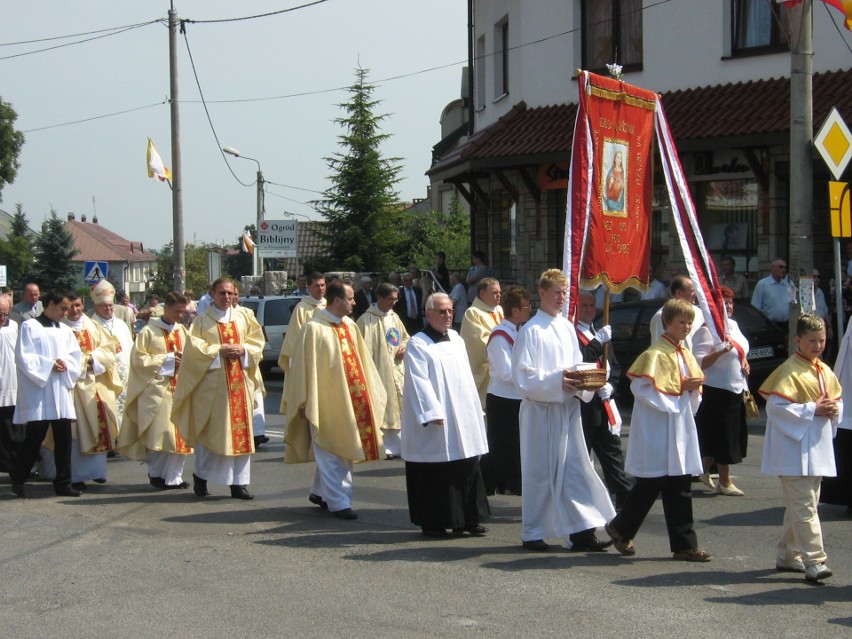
x: 96, y: 242
x: 744, y: 108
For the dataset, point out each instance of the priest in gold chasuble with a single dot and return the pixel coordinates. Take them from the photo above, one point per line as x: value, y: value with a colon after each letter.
x: 215, y: 393
x: 335, y: 402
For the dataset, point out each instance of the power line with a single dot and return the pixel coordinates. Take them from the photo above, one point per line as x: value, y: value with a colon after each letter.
x: 69, y: 44
x: 96, y: 117
x: 76, y: 35
x: 298, y: 188
x: 260, y: 15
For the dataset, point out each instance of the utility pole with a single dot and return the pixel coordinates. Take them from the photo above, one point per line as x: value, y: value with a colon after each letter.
x: 801, y: 260
x: 177, y: 179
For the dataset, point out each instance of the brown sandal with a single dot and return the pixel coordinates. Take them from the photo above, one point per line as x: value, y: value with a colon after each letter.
x: 698, y: 556
x: 622, y: 545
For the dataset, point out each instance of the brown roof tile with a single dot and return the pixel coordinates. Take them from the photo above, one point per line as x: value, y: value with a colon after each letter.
x: 96, y: 242
x: 743, y: 108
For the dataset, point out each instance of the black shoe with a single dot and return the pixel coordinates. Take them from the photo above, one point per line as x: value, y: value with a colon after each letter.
x: 111, y: 454
x: 260, y: 439
x: 319, y: 501
x: 157, y: 482
x: 179, y: 486
x: 240, y: 492
x: 79, y: 485
x: 346, y: 513
x: 436, y: 533
x: 18, y: 491
x: 199, y: 486
x: 537, y: 545
x: 589, y: 543
x: 476, y: 531
x: 100, y: 480
x: 67, y: 491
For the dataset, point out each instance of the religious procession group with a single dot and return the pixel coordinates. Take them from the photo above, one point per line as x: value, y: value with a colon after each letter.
x: 360, y: 392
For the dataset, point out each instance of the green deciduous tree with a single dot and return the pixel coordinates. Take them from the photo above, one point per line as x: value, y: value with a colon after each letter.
x: 11, y: 142
x: 361, y: 205
x: 15, y: 251
x: 195, y: 257
x: 53, y: 252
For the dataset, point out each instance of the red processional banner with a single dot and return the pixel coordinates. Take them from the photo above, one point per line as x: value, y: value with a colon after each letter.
x: 607, y: 230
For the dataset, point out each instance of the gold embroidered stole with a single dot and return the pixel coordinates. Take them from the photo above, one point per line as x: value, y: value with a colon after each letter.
x: 240, y: 430
x: 358, y: 393
x: 104, y: 441
x: 173, y: 345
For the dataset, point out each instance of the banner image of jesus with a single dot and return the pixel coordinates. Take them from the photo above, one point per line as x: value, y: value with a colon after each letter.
x: 615, y: 170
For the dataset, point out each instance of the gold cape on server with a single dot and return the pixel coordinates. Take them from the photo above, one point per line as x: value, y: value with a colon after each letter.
x: 201, y: 408
x: 147, y: 423
x: 384, y: 334
x: 797, y: 380
x: 660, y: 364
x: 319, y: 383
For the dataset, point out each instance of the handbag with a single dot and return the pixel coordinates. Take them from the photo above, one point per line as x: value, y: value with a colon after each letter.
x: 751, y: 409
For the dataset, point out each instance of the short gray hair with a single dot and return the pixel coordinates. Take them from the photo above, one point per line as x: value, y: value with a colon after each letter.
x: 430, y: 301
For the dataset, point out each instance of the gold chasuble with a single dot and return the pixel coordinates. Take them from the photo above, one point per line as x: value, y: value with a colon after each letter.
x: 800, y: 380
x: 359, y: 395
x: 240, y: 412
x: 662, y: 364
x: 94, y: 396
x: 214, y: 397
x: 147, y: 424
x: 334, y: 395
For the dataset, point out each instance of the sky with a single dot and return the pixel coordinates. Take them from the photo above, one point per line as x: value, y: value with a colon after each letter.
x: 272, y: 87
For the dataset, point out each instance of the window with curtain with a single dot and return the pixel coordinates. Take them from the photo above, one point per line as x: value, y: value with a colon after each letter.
x: 612, y: 32
x: 756, y: 27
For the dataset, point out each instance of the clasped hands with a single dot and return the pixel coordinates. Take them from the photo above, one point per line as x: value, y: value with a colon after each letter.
x: 231, y: 351
x: 826, y: 407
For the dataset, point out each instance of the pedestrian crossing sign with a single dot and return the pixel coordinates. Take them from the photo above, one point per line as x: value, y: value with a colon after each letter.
x: 94, y: 272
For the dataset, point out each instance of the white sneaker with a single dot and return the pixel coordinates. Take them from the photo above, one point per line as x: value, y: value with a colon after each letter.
x: 730, y: 491
x: 707, y: 480
x: 817, y: 572
x: 791, y: 565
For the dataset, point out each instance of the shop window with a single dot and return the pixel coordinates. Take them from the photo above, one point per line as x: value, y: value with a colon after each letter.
x: 728, y: 214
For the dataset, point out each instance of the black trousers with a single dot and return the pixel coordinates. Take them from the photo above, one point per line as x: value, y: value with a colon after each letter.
x: 606, y: 446
x: 11, y: 437
x: 677, y: 506
x: 29, y: 450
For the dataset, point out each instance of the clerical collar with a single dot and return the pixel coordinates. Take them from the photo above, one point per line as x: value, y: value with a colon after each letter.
x: 75, y: 325
x: 434, y: 335
x: 106, y: 322
x: 44, y: 320
x: 375, y: 309
x: 315, y: 301
x: 224, y: 316
x: 331, y: 317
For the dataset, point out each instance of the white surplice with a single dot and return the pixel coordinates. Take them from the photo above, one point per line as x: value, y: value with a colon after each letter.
x: 562, y: 493
x: 439, y: 386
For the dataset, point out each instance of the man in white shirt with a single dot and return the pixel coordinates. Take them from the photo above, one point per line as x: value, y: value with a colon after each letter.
x: 773, y: 293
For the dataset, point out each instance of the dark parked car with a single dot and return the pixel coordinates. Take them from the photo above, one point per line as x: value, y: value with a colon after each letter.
x: 631, y: 334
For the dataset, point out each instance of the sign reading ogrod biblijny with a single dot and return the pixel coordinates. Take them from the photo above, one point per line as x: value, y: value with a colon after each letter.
x: 278, y: 238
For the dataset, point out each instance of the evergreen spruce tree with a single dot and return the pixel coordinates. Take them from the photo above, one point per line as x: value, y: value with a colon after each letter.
x: 361, y: 205
x: 16, y: 252
x: 53, y: 252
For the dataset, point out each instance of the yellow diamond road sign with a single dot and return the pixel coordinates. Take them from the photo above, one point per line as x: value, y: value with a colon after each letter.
x: 834, y: 143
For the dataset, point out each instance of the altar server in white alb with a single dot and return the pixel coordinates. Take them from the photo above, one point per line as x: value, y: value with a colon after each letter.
x: 386, y: 339
x: 49, y: 362
x: 562, y: 493
x: 443, y: 429
x: 9, y: 432
x: 147, y: 432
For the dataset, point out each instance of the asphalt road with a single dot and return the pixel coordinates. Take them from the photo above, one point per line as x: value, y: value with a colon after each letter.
x: 127, y: 561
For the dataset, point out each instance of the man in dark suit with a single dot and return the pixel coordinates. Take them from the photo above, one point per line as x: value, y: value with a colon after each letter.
x: 364, y: 297
x: 410, y: 305
x: 596, y: 426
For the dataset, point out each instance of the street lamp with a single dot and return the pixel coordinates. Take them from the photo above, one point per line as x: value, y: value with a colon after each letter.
x: 256, y: 262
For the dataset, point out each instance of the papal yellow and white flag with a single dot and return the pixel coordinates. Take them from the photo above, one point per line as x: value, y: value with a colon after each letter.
x: 156, y: 169
x: 248, y: 243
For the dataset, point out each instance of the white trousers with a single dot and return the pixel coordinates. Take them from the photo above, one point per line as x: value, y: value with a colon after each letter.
x: 168, y: 466
x: 392, y: 441
x: 222, y: 469
x: 258, y: 420
x: 802, y: 534
x: 332, y: 479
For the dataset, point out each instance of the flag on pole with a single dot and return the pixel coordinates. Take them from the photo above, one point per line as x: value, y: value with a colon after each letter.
x: 248, y: 243
x: 156, y: 169
x: 844, y: 6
